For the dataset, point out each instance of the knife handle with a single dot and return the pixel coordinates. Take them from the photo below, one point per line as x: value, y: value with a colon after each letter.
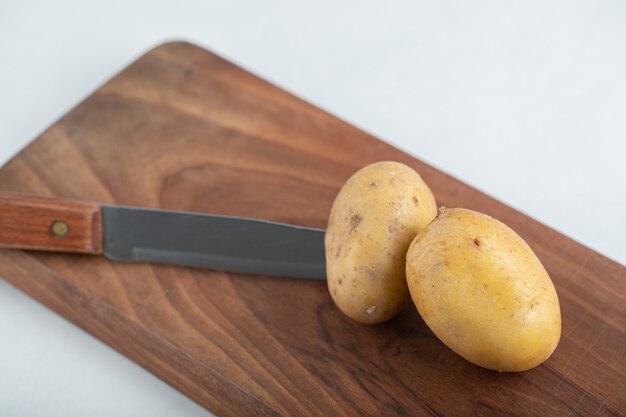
x: 49, y: 224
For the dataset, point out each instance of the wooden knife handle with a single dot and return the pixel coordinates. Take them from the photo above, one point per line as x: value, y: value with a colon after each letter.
x: 49, y: 224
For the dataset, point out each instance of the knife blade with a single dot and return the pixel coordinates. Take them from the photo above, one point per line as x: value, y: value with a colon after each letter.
x: 163, y: 236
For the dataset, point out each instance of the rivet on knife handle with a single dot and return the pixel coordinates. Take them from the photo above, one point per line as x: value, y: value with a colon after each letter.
x: 49, y: 224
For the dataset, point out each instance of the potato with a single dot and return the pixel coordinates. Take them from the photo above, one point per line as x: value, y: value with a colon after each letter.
x: 374, y: 218
x: 483, y: 292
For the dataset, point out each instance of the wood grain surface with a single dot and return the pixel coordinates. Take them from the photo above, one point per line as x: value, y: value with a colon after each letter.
x: 52, y: 224
x: 184, y: 129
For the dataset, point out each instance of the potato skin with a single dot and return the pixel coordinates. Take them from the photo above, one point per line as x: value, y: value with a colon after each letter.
x: 374, y: 218
x: 483, y: 292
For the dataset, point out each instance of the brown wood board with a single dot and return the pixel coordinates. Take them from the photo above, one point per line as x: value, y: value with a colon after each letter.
x: 184, y: 129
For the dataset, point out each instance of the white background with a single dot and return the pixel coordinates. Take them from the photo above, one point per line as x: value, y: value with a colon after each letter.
x: 524, y: 100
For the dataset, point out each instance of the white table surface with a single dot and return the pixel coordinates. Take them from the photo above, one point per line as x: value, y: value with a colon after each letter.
x: 523, y: 100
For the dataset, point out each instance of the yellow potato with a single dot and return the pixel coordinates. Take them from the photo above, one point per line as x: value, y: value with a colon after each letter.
x: 483, y: 292
x: 374, y: 218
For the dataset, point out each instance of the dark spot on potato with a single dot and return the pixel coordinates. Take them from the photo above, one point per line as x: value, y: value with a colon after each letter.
x: 414, y: 199
x: 484, y: 285
x: 355, y: 221
x: 476, y: 242
x: 372, y: 183
x: 340, y: 281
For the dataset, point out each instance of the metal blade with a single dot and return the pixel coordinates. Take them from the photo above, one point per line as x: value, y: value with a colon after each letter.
x: 213, y: 241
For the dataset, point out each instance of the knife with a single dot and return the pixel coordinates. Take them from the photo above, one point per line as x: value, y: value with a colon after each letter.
x: 163, y: 236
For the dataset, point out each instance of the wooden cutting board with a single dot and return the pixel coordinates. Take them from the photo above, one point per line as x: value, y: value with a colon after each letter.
x: 183, y: 129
